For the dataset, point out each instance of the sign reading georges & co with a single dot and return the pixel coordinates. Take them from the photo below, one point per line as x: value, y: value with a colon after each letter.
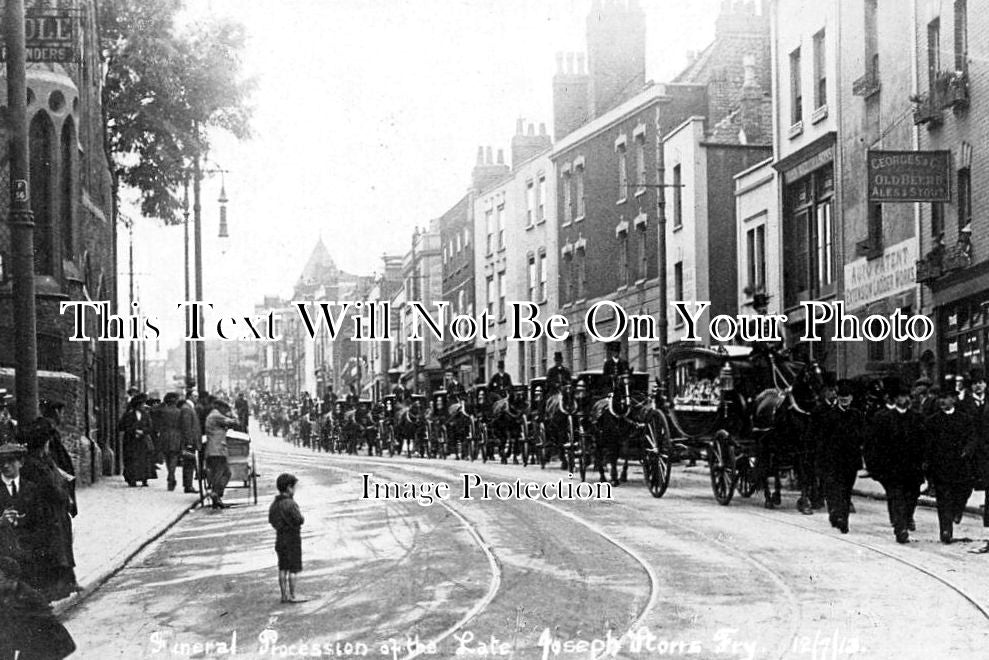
x: 909, y: 176
x: 50, y: 35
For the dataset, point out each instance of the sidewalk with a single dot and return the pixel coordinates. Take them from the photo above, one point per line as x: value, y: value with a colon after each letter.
x: 115, y: 522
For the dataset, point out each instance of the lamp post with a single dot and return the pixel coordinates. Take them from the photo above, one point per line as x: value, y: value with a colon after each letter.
x: 21, y: 221
x: 197, y: 177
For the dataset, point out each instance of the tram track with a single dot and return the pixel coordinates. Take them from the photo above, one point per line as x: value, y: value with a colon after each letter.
x: 647, y: 568
x: 792, y: 602
x: 494, y: 584
x: 944, y: 581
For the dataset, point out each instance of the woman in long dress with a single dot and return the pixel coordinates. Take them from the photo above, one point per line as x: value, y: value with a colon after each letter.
x: 54, y: 560
x: 138, y: 454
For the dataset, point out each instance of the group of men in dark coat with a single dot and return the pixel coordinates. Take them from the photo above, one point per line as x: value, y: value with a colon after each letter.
x: 942, y: 438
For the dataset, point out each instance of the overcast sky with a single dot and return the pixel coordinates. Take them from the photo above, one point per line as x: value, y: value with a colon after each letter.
x: 367, y: 122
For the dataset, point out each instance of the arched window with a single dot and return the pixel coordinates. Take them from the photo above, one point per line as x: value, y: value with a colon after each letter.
x: 65, y: 188
x: 40, y: 148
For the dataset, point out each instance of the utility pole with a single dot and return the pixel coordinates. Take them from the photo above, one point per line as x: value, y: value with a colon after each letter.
x: 198, y: 230
x: 661, y: 227
x: 132, y: 359
x: 21, y: 221
x: 188, y: 349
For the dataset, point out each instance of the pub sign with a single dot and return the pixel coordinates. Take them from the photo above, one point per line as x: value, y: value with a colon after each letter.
x: 909, y: 176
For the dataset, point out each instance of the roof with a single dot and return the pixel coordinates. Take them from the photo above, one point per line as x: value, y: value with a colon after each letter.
x: 320, y: 266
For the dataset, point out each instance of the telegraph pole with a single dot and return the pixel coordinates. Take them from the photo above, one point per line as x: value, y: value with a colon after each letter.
x: 197, y: 216
x: 188, y: 348
x: 661, y: 248
x: 21, y: 221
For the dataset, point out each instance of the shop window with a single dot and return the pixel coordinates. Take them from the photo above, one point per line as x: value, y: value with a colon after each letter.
x: 808, y: 235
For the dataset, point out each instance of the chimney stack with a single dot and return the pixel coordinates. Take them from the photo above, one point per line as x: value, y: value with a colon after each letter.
x: 571, y: 95
x: 526, y: 145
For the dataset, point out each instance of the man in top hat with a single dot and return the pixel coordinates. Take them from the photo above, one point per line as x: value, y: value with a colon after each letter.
x: 17, y: 507
x: 839, y: 453
x: 558, y: 375
x: 501, y: 382
x: 949, y: 465
x: 894, y: 455
x: 975, y: 407
x: 217, y: 469
x: 614, y: 365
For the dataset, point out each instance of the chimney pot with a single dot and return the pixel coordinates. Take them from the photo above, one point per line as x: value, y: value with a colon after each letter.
x: 518, y: 126
x: 581, y: 63
x: 532, y: 129
x: 570, y: 65
x: 542, y: 129
x: 501, y: 156
x: 487, y: 154
x: 480, y: 155
x: 559, y: 61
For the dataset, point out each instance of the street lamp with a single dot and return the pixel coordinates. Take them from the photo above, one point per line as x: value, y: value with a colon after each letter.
x: 197, y: 177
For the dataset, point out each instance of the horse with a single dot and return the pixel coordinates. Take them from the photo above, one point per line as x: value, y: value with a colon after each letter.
x: 410, y: 425
x: 558, y: 422
x: 614, y: 419
x: 508, y: 425
x: 780, y: 419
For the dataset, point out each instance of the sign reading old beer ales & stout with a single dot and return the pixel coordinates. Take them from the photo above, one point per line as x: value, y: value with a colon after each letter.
x: 909, y: 176
x: 49, y: 34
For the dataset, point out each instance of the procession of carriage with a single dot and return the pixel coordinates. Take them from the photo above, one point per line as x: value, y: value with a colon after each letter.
x: 740, y: 410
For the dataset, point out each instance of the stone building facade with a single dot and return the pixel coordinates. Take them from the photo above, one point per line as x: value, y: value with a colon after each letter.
x: 75, y: 257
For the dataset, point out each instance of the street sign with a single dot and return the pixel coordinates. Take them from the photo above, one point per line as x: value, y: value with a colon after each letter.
x: 909, y: 176
x: 51, y: 35
x: 21, y: 194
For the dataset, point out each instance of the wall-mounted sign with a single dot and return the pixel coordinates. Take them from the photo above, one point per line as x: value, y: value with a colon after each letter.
x: 869, y: 280
x: 909, y: 176
x: 51, y: 35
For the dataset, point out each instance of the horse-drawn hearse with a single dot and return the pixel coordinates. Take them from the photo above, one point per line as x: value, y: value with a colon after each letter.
x: 746, y: 410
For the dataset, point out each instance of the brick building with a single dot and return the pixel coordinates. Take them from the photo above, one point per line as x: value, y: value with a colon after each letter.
x: 606, y: 197
x: 953, y: 114
x: 516, y: 253
x: 74, y: 243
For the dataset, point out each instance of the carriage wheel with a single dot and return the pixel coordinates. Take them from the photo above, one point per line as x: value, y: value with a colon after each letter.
x: 583, y: 449
x: 747, y: 482
x: 656, y: 459
x: 254, y: 479
x: 441, y: 440
x: 474, y: 431
x: 721, y: 461
x: 524, y: 441
x: 542, y: 448
x: 482, y: 441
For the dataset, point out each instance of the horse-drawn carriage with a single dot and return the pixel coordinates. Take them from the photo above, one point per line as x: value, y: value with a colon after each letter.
x: 509, y: 424
x: 447, y: 419
x: 617, y: 422
x: 746, y: 411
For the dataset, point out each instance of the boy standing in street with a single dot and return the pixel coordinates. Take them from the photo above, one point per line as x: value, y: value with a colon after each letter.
x: 285, y: 517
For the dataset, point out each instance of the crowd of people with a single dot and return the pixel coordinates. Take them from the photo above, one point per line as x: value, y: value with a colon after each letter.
x: 173, y: 431
x: 903, y: 437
